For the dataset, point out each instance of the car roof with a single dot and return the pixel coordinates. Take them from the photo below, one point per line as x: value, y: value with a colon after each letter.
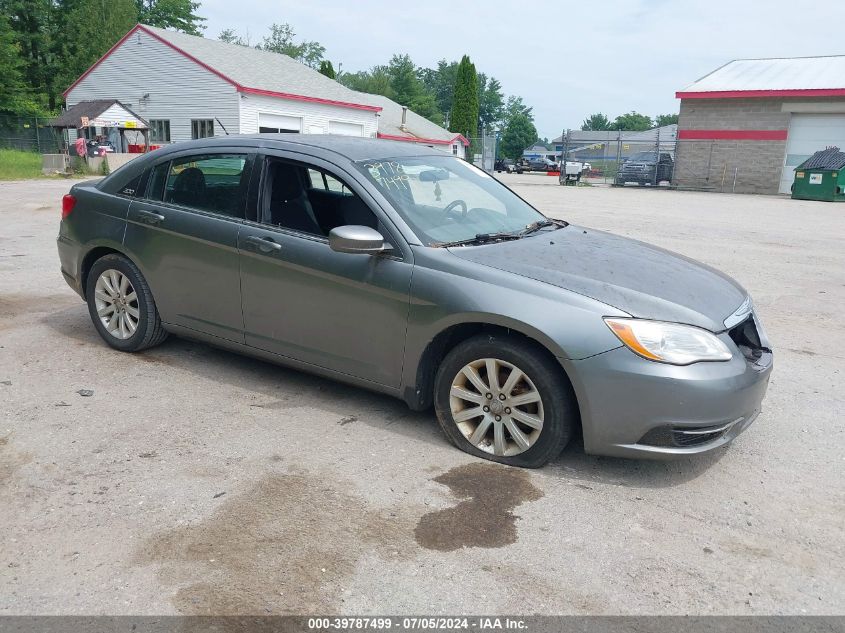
x: 352, y: 147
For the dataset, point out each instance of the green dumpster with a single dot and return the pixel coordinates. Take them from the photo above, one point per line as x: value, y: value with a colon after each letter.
x: 821, y: 177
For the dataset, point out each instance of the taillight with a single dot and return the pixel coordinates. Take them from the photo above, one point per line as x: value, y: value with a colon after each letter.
x: 68, y: 202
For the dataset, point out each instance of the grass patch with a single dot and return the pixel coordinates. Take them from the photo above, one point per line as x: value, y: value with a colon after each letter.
x: 17, y: 165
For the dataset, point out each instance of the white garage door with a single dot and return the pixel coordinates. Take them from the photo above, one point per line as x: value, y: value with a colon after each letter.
x: 268, y: 122
x: 808, y: 133
x: 347, y: 129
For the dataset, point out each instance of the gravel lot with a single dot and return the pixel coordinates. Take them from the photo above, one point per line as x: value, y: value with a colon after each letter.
x: 197, y: 481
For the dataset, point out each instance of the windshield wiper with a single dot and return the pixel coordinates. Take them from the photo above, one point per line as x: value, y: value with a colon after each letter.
x: 541, y: 224
x: 484, y: 238
x: 481, y: 238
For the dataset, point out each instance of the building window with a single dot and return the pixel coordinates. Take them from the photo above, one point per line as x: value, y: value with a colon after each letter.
x: 276, y: 130
x: 202, y: 128
x: 159, y: 130
x: 455, y: 149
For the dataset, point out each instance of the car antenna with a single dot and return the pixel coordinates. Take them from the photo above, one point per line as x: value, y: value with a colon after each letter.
x: 221, y: 125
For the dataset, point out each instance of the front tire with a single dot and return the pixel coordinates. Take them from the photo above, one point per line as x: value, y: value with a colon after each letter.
x: 502, y: 399
x: 121, y: 305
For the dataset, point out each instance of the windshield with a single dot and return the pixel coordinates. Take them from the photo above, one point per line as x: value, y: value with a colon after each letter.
x: 643, y: 156
x: 445, y: 199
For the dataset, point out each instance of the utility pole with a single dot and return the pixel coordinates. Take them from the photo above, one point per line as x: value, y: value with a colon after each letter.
x: 657, y: 157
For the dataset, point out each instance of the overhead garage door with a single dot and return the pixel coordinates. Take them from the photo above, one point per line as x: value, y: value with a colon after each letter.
x: 272, y: 123
x: 347, y: 129
x: 808, y: 133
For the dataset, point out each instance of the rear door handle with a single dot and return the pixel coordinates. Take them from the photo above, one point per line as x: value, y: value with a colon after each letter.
x: 149, y: 217
x: 263, y: 244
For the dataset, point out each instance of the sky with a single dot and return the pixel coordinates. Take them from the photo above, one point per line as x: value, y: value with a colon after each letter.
x: 566, y: 59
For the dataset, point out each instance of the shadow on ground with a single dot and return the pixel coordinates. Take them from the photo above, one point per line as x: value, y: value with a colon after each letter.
x: 373, y: 409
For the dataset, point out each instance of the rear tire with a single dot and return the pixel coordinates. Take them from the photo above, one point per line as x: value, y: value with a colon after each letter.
x: 121, y: 305
x: 541, y: 396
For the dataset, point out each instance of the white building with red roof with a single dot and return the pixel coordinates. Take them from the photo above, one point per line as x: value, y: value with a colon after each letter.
x: 191, y: 87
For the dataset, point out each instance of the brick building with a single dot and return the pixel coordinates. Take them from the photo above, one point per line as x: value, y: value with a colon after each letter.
x: 753, y: 121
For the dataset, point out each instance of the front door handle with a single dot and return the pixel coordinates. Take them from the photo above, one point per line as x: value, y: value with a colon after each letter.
x: 150, y: 217
x: 263, y: 244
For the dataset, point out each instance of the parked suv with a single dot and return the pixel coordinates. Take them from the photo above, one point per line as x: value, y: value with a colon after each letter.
x: 641, y: 167
x: 535, y: 164
x: 504, y: 165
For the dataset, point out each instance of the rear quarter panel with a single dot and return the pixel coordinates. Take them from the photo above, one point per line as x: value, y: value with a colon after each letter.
x: 97, y: 220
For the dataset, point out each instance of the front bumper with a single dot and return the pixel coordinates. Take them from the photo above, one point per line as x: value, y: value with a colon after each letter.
x: 636, y: 176
x: 633, y: 407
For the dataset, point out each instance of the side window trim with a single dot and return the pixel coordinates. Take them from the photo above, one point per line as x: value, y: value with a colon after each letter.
x: 147, y: 195
x: 243, y: 187
x: 260, y: 183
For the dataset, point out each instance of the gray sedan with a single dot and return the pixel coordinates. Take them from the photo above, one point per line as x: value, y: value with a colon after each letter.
x: 410, y: 272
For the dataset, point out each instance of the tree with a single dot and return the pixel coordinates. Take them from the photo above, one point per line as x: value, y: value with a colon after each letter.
x: 440, y: 82
x: 491, y: 102
x: 375, y: 81
x: 403, y: 79
x: 14, y: 97
x: 665, y: 119
x: 633, y: 122
x: 230, y: 36
x: 596, y: 122
x: 519, y: 134
x: 409, y: 91
x: 95, y: 26
x: 281, y: 41
x: 327, y: 69
x: 513, y: 106
x: 33, y: 25
x: 173, y: 14
x: 464, y: 117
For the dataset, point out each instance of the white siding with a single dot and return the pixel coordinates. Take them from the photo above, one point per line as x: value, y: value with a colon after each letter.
x: 114, y: 115
x: 179, y: 89
x: 315, y: 116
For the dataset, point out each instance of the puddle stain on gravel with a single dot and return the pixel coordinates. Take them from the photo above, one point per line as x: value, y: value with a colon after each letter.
x: 485, y: 517
x: 286, y: 546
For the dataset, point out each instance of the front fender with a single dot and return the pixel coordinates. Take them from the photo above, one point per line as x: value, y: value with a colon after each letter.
x: 569, y: 325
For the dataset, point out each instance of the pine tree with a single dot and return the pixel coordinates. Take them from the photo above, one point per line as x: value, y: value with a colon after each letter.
x: 32, y: 23
x: 327, y: 69
x: 170, y: 14
x: 464, y: 119
x: 13, y: 96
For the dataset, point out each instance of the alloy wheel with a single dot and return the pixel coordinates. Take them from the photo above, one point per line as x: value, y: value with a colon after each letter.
x: 117, y: 304
x: 496, y: 407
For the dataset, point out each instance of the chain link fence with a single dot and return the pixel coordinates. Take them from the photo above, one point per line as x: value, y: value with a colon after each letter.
x: 482, y: 152
x: 30, y: 134
x: 618, y: 157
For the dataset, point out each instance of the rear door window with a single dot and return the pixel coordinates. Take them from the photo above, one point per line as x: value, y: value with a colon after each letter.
x: 211, y: 182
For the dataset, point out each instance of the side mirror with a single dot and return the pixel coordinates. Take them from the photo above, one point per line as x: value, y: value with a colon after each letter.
x: 353, y: 238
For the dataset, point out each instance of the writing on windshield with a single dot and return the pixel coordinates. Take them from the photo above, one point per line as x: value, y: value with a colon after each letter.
x: 388, y: 174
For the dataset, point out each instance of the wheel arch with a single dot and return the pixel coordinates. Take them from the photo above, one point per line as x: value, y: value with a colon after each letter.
x: 420, y: 395
x: 94, y: 254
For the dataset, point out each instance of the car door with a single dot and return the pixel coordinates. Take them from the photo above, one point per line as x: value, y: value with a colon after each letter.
x: 339, y: 311
x: 183, y: 233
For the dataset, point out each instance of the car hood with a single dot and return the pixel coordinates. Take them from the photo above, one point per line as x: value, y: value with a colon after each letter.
x: 643, y: 280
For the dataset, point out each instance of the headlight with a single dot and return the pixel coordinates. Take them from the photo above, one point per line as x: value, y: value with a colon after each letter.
x: 668, y: 342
